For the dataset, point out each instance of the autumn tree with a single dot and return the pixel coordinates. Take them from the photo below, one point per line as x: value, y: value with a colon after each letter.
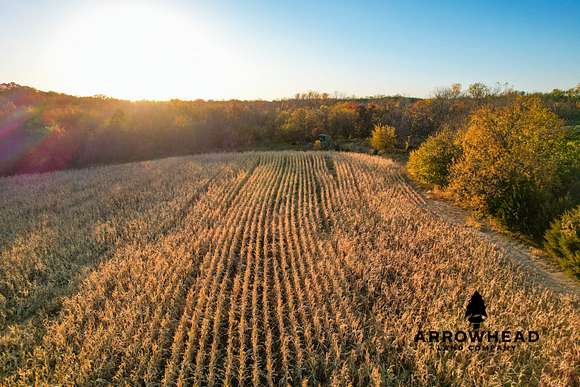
x: 383, y: 137
x: 509, y: 167
x: 295, y: 129
x: 430, y: 163
x: 478, y: 91
x: 341, y: 120
x: 99, y: 129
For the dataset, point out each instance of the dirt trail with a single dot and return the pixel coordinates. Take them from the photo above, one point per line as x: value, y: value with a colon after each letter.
x: 538, y: 265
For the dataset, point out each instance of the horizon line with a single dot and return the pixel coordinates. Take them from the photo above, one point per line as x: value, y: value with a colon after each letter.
x: 335, y: 95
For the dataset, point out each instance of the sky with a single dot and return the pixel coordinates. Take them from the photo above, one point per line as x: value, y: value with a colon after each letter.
x: 273, y: 49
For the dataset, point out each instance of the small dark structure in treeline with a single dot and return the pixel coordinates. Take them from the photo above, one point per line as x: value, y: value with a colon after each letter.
x: 326, y: 142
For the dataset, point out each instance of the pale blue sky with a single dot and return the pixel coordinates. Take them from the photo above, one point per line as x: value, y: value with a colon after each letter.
x: 272, y: 49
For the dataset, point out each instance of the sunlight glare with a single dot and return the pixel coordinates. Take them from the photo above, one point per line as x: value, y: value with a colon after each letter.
x: 138, y: 51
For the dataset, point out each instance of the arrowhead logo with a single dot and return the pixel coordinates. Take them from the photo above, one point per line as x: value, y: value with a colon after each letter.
x: 476, y: 339
x: 475, y: 312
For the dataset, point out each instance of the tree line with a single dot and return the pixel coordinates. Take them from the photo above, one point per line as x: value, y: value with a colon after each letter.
x: 518, y: 164
x: 42, y: 131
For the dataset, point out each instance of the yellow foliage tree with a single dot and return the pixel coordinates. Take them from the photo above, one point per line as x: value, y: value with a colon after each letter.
x: 383, y: 137
x: 509, y: 163
x: 431, y: 162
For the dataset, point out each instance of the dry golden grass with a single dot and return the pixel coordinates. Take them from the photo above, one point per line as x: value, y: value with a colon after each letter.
x: 257, y: 268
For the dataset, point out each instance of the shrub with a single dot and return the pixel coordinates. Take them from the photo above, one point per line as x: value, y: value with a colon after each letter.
x: 568, y: 154
x: 383, y: 137
x: 510, y: 165
x: 430, y: 163
x: 317, y: 145
x: 562, y: 240
x: 523, y: 207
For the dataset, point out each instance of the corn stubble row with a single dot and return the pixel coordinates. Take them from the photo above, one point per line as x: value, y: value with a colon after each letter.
x: 257, y: 268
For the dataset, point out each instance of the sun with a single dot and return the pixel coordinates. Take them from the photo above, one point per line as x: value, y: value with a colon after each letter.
x: 137, y: 51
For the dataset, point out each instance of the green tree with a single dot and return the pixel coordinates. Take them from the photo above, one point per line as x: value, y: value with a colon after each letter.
x: 430, y: 163
x: 562, y: 240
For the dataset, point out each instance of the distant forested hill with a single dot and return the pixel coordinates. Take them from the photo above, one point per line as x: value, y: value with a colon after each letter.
x: 41, y: 131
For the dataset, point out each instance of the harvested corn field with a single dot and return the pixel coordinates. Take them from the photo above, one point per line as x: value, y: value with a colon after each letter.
x: 263, y: 268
